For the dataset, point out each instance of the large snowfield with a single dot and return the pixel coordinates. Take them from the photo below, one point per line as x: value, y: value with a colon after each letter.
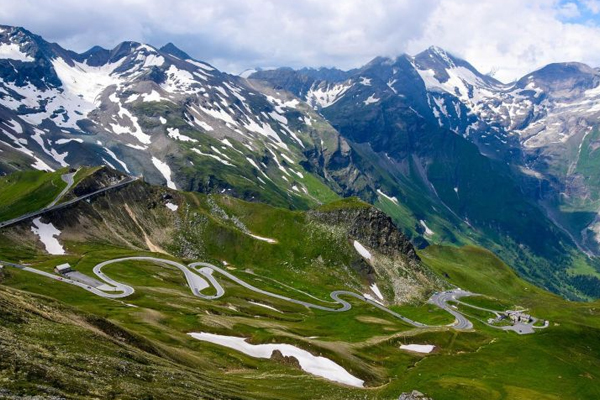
x: 316, y: 365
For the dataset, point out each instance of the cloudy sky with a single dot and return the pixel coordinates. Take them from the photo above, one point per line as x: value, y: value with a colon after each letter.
x: 511, y: 37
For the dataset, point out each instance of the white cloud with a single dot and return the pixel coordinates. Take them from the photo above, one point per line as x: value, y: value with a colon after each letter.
x: 592, y: 5
x: 569, y: 11
x: 513, y: 36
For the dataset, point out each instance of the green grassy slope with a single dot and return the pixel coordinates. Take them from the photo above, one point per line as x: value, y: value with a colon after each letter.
x: 51, y: 349
x: 27, y: 191
x: 559, y: 362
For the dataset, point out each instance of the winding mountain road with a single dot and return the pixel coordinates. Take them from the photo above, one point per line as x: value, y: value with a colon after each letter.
x: 69, y: 180
x: 207, y: 270
x: 200, y: 276
x: 441, y: 300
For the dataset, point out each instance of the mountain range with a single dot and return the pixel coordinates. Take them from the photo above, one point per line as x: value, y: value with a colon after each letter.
x: 452, y: 155
x: 411, y: 229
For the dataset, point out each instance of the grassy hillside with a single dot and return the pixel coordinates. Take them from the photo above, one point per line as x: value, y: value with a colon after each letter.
x: 558, y: 362
x: 55, y: 336
x: 23, y: 192
x: 49, y: 348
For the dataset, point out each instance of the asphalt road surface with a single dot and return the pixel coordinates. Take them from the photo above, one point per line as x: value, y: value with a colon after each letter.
x: 68, y: 179
x: 200, y: 276
x: 441, y: 300
x: 520, y: 327
x: 207, y: 271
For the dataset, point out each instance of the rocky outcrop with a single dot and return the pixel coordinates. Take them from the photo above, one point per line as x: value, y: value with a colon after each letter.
x: 100, y: 179
x: 414, y: 395
x: 290, y: 361
x: 372, y: 228
x: 394, y: 265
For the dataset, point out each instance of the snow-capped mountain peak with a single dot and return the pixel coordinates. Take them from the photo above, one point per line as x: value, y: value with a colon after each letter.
x: 173, y: 50
x: 146, y: 110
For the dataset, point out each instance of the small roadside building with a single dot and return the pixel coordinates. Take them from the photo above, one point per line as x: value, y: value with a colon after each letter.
x: 63, y: 269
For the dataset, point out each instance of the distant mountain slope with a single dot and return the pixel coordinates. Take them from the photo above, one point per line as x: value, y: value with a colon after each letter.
x: 541, y: 125
x: 435, y: 135
x: 147, y: 218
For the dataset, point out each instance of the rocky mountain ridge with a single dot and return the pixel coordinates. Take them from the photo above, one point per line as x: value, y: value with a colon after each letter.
x: 511, y: 163
x: 161, y: 114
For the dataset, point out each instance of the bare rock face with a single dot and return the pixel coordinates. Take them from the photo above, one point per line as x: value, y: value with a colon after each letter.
x: 287, y: 360
x: 372, y: 228
x: 395, y: 263
x: 100, y: 179
x: 414, y: 395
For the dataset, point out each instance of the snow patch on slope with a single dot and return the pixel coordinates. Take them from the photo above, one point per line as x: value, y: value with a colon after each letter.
x: 216, y: 157
x: 114, y: 157
x: 171, y: 206
x: 418, y: 348
x: 20, y: 146
x: 12, y: 51
x: 173, y: 133
x: 265, y: 306
x: 371, y: 100
x: 325, y: 96
x: 135, y: 131
x: 390, y: 198
x: 165, y: 170
x: 65, y: 141
x: 362, y: 250
x: 264, y: 239
x: 48, y: 236
x: 376, y: 290
x: 84, y: 81
x: 428, y: 232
